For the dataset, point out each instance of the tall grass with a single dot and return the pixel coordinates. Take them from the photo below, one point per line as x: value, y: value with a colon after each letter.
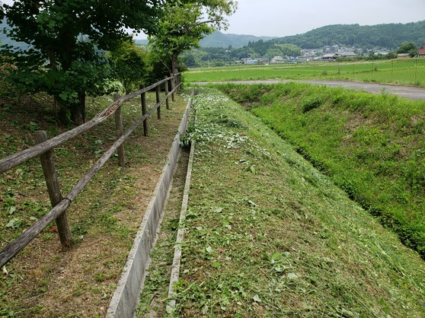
x: 373, y: 146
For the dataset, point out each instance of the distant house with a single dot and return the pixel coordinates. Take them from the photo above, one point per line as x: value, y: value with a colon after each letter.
x: 251, y: 62
x: 330, y: 57
x: 348, y: 54
x: 403, y: 56
x: 421, y: 51
x: 277, y: 59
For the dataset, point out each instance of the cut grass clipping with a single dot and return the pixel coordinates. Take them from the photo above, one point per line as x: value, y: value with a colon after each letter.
x: 267, y: 235
x: 372, y: 146
x: 42, y: 280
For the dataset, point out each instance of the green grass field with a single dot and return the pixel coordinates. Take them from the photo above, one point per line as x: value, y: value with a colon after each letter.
x: 371, y: 145
x: 267, y: 235
x: 401, y: 72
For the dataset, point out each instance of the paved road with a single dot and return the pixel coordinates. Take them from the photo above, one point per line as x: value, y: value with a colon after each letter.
x: 414, y: 93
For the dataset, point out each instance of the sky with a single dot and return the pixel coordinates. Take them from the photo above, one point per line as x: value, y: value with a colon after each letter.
x: 282, y: 18
x: 290, y: 17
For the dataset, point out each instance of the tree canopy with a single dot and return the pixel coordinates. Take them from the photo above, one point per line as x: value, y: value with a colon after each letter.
x: 67, y: 41
x: 409, y: 48
x: 187, y: 22
x: 130, y: 65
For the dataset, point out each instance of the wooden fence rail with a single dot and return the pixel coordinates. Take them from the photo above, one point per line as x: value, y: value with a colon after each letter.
x: 43, y: 150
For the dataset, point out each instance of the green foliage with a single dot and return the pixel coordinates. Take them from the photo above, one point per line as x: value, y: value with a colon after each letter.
x: 371, y: 146
x: 365, y: 37
x: 130, y: 65
x: 310, y: 103
x: 184, y: 24
x: 408, y: 47
x: 67, y: 40
x: 382, y: 35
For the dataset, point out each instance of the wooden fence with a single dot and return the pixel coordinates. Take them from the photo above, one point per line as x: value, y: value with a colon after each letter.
x: 44, y: 149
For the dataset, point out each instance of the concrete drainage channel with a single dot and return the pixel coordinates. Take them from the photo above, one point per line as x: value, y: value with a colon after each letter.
x: 131, y: 284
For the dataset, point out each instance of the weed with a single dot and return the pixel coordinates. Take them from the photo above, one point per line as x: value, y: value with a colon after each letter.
x: 311, y: 103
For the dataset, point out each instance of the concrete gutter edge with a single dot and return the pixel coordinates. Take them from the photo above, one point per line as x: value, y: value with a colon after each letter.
x: 175, y: 270
x: 130, y: 285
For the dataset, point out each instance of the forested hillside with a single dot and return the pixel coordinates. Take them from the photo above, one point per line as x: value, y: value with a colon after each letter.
x: 382, y: 35
x: 218, y: 39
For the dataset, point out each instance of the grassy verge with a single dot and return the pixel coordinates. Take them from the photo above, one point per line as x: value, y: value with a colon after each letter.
x: 43, y: 280
x: 400, y: 72
x: 269, y: 236
x: 371, y: 145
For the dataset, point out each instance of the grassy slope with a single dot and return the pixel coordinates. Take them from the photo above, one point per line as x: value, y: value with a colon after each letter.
x: 371, y: 145
x: 269, y: 236
x: 401, y: 72
x: 43, y: 280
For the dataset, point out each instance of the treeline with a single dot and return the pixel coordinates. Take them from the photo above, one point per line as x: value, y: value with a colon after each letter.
x: 388, y: 36
x: 363, y: 38
x: 219, y: 39
x: 218, y: 56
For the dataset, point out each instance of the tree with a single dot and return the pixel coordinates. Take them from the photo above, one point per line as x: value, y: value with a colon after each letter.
x: 409, y: 48
x: 290, y: 49
x: 67, y: 41
x: 187, y: 22
x: 130, y: 65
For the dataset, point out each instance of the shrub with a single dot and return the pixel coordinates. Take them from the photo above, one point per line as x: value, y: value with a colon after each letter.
x: 310, y: 103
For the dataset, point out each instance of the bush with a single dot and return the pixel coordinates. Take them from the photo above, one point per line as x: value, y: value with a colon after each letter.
x: 311, y: 103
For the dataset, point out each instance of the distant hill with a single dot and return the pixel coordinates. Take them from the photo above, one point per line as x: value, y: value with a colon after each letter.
x: 218, y: 39
x: 141, y: 42
x: 5, y: 40
x: 381, y: 35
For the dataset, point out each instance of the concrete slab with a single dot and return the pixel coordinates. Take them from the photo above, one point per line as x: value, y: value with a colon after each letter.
x: 130, y: 285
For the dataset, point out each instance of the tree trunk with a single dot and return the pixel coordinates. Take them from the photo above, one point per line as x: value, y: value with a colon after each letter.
x: 175, y: 63
x: 74, y: 113
x: 78, y: 110
x: 63, y: 114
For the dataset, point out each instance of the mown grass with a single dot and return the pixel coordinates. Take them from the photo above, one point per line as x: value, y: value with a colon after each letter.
x: 267, y: 235
x: 43, y: 280
x: 371, y: 145
x: 401, y: 72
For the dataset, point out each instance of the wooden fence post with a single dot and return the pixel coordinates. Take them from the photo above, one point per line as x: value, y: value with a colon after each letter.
x: 145, y: 122
x: 172, y: 87
x: 118, y: 125
x: 53, y: 188
x: 167, y: 104
x: 158, y: 110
